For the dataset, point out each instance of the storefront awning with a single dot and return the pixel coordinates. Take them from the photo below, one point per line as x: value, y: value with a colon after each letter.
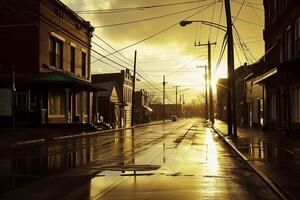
x: 266, y: 75
x: 61, y: 80
x: 148, y: 108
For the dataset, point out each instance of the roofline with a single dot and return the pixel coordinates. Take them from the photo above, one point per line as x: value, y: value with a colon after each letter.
x: 74, y: 15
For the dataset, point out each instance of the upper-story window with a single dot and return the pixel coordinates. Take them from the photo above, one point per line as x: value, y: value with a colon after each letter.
x: 275, y: 8
x: 297, y: 37
x: 56, y: 52
x: 72, y: 59
x: 281, y: 52
x: 83, y: 64
x: 289, y: 44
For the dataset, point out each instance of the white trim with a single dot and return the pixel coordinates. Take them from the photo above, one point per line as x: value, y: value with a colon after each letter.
x: 57, y: 36
x: 84, y: 50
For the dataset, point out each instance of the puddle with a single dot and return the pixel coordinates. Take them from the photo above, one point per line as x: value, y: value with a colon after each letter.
x: 131, y: 168
x: 256, y: 149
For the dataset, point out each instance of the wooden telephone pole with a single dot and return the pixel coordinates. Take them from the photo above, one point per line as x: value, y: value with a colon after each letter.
x: 211, y: 101
x: 231, y: 102
x: 133, y: 89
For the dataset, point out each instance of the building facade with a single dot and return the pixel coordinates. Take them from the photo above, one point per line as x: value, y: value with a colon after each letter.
x: 142, y: 111
x: 124, y: 83
x: 281, y: 68
x: 108, y: 104
x: 45, y: 63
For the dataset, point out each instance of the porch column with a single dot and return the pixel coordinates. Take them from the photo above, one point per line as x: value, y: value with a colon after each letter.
x: 67, y: 112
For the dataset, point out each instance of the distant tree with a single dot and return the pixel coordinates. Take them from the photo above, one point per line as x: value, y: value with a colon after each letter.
x: 153, y: 99
x: 196, y: 107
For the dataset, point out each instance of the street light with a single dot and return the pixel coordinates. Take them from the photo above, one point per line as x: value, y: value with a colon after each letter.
x: 208, y: 23
x: 231, y: 110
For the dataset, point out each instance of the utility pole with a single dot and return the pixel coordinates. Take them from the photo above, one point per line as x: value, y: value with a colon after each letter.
x: 206, y: 94
x: 231, y: 104
x: 179, y: 98
x: 164, y: 96
x: 176, y: 100
x: 133, y: 89
x: 211, y: 101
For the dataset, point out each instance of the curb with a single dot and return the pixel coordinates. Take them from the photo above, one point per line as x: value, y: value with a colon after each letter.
x: 37, y: 141
x: 282, y: 194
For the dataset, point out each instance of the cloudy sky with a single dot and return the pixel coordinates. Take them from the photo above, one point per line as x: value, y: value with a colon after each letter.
x: 163, y: 46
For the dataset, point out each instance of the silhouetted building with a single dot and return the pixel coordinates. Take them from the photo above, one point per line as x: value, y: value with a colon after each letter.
x: 246, y: 105
x: 282, y: 59
x: 124, y: 84
x: 108, y: 104
x: 45, y: 63
x: 142, y: 111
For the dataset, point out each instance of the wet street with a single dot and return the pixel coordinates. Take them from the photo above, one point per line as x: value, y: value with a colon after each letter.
x: 175, y: 160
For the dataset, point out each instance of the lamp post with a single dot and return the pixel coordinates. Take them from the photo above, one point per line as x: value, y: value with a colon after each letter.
x: 231, y: 111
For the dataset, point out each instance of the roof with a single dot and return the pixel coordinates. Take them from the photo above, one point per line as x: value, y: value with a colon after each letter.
x: 73, y: 14
x: 108, y: 86
x: 59, y: 79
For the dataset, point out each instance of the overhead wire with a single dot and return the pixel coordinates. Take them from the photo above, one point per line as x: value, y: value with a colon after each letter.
x: 139, y: 8
x: 145, y: 19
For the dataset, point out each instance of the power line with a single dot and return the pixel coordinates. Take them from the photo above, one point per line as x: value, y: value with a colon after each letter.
x: 139, y: 8
x: 146, y: 19
x: 160, y: 32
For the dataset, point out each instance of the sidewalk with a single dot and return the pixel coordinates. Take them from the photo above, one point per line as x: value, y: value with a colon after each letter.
x: 275, y: 154
x: 10, y: 136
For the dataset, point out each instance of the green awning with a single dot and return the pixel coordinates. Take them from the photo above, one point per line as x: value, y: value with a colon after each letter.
x: 59, y: 79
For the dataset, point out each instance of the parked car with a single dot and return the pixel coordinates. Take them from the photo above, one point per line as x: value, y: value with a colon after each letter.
x: 173, y: 118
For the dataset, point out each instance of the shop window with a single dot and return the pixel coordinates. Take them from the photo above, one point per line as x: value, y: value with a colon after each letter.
x: 56, y: 104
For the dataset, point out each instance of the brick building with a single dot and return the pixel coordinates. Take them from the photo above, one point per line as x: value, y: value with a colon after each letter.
x: 45, y: 63
x: 281, y: 70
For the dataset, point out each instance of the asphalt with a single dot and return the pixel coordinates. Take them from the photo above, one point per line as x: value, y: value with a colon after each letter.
x: 180, y: 160
x: 272, y: 154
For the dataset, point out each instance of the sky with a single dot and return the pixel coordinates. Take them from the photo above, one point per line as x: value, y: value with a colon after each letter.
x: 163, y: 46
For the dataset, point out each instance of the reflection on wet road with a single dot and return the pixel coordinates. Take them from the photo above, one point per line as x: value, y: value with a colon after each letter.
x: 178, y: 160
x: 193, y: 165
x: 257, y: 149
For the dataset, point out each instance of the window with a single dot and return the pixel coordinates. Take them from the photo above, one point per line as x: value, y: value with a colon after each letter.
x: 273, y: 107
x: 56, y: 104
x: 21, y: 99
x: 275, y: 8
x: 55, y: 52
x: 281, y: 57
x: 83, y: 64
x: 78, y: 104
x: 296, y: 105
x: 72, y: 59
x: 297, y: 37
x: 289, y: 44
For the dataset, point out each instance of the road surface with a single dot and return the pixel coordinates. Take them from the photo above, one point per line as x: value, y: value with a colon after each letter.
x: 176, y: 160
